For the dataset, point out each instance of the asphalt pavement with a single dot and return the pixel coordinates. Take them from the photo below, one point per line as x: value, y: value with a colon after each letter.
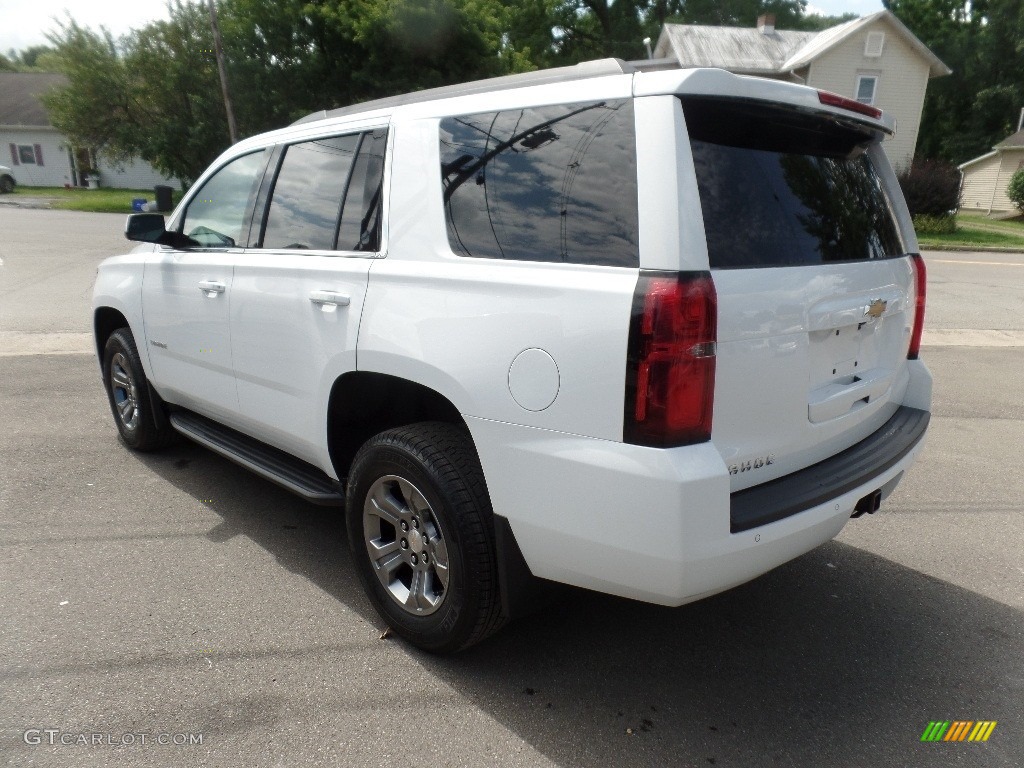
x: 175, y: 597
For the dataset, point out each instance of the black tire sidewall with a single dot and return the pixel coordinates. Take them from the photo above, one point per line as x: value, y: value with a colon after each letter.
x: 144, y: 436
x: 447, y: 628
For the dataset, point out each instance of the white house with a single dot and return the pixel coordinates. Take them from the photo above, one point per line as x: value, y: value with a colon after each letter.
x: 874, y: 59
x: 986, y: 178
x: 41, y: 156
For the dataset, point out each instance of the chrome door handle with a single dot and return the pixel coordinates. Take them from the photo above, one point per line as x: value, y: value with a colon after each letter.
x: 211, y: 287
x: 329, y: 299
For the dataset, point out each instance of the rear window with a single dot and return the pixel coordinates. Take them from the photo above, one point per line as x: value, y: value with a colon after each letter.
x: 782, y: 187
x: 554, y: 183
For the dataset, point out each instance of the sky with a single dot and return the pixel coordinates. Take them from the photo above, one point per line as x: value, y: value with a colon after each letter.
x: 25, y: 22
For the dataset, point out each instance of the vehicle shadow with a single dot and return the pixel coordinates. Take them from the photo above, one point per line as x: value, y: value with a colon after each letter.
x: 838, y: 658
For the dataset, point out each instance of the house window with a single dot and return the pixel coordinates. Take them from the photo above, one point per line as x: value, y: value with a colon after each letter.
x: 867, y: 85
x: 29, y: 154
x: 874, y: 44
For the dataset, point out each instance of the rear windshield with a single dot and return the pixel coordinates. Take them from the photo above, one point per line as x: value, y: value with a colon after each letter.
x: 781, y: 187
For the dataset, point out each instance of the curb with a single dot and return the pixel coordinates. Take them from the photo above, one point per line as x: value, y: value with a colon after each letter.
x: 977, y: 248
x: 44, y: 203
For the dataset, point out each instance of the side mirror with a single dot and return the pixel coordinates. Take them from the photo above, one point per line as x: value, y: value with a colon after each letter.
x: 150, y: 228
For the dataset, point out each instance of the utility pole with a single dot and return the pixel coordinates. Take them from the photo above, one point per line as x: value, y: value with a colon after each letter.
x: 218, y: 48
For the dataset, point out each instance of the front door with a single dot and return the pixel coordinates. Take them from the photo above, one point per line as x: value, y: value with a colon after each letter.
x: 186, y: 293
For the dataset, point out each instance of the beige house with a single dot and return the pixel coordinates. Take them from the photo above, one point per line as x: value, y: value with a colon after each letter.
x: 874, y: 59
x: 986, y: 178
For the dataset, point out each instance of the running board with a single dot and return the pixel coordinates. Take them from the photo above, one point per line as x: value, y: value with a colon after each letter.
x: 276, y: 466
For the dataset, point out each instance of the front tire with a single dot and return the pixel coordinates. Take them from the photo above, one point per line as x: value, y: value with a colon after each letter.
x: 422, y: 534
x: 6, y: 184
x: 129, y: 395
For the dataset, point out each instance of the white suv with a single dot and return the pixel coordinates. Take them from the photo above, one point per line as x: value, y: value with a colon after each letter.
x: 651, y: 333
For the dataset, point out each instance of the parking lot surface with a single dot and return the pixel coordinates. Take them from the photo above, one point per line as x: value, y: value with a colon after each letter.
x: 177, y: 596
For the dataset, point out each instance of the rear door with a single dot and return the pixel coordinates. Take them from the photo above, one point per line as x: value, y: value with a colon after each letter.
x: 298, y: 293
x: 815, y: 293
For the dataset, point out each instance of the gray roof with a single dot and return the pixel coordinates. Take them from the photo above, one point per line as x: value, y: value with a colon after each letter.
x: 749, y: 51
x: 19, y: 97
x: 1014, y: 141
x: 737, y: 49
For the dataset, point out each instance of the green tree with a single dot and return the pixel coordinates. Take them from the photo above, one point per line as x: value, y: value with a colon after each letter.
x: 555, y: 32
x: 968, y: 112
x: 293, y: 57
x: 1015, y: 191
x: 155, y: 94
x: 33, y: 58
x: 740, y: 13
x: 152, y: 95
x: 816, y: 22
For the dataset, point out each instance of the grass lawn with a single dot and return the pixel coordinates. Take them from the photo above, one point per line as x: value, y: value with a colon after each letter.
x: 96, y: 200
x: 976, y: 230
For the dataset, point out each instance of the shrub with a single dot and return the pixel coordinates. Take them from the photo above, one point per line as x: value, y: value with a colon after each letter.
x: 925, y: 224
x: 1016, y: 189
x: 931, y: 187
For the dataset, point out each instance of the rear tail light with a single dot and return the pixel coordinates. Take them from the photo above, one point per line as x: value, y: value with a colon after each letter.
x: 670, y: 363
x: 835, y: 100
x: 921, y: 286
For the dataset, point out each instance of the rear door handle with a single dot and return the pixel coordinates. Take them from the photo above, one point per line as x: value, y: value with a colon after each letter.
x: 326, y: 299
x: 211, y: 287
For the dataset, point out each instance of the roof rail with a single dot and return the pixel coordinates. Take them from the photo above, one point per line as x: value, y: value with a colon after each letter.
x: 581, y: 71
x: 655, y: 65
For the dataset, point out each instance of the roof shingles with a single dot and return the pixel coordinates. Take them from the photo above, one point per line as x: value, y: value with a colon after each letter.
x: 1013, y: 141
x: 19, y: 97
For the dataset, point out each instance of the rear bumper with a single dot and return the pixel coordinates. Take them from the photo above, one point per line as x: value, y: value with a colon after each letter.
x: 655, y: 524
x: 856, y: 466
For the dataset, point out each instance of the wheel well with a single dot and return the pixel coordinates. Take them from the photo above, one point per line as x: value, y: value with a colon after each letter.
x: 105, y: 322
x: 363, y: 404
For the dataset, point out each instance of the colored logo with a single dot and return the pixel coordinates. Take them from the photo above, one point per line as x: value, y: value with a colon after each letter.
x: 958, y: 730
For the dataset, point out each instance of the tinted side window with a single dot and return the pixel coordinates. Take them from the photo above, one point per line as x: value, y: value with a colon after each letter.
x: 216, y: 215
x: 783, y: 188
x: 360, y: 221
x: 551, y: 183
x: 308, y: 192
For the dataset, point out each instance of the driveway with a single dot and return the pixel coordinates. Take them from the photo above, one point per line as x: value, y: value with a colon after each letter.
x: 176, y: 595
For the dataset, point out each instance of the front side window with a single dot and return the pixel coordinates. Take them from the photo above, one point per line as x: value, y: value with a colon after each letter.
x: 555, y: 183
x: 216, y: 215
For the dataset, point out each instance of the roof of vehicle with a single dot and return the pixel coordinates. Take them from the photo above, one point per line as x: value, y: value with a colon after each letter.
x: 581, y: 71
x: 650, y: 77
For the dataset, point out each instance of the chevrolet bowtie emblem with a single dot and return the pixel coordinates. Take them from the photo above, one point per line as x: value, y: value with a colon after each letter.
x: 876, y: 308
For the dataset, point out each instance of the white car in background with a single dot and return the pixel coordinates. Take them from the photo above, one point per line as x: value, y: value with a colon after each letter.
x: 7, y: 182
x: 652, y: 333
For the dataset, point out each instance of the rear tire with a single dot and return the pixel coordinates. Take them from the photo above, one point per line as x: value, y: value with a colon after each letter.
x: 421, y: 531
x: 134, y: 409
x: 6, y: 184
